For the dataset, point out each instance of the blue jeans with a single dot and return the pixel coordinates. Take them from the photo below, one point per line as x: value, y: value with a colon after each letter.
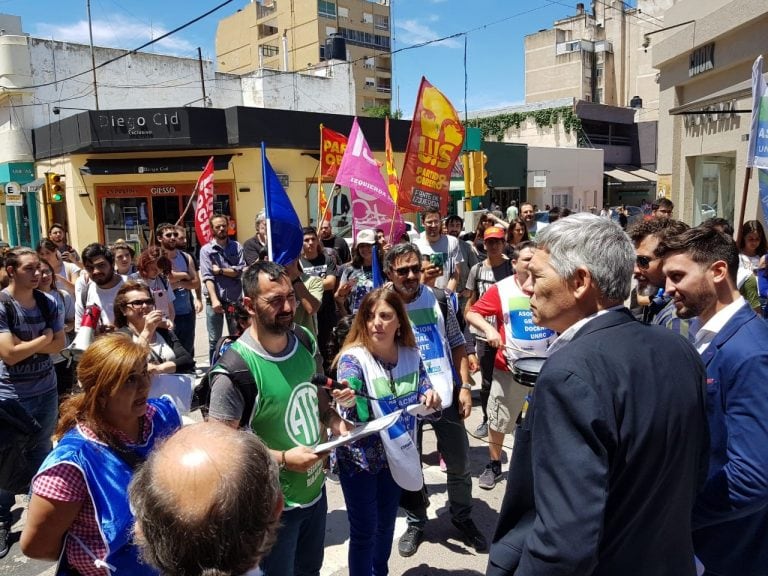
x: 372, y: 501
x: 453, y: 445
x: 185, y: 331
x: 300, y: 544
x: 215, y: 324
x: 45, y: 409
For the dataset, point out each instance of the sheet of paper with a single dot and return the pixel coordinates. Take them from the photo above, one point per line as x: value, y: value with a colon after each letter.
x: 372, y: 427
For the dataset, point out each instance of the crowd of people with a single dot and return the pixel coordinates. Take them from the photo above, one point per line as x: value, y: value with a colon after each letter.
x: 640, y: 443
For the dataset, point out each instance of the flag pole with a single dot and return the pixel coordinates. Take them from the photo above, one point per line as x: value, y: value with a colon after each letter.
x: 191, y: 198
x: 266, y: 199
x: 320, y: 192
x: 743, y: 207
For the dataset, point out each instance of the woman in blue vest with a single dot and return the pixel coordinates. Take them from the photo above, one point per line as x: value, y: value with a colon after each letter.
x: 79, y: 510
x: 380, y: 358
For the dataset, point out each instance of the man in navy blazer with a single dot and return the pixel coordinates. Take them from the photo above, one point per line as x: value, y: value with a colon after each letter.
x: 612, y: 448
x: 730, y: 519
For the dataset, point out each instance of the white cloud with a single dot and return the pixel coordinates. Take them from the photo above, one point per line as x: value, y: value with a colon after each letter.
x: 415, y: 32
x: 115, y: 32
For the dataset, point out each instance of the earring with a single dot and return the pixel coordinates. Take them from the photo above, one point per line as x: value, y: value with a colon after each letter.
x: 397, y: 333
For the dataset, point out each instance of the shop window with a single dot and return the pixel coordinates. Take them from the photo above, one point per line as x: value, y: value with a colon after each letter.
x: 714, y: 183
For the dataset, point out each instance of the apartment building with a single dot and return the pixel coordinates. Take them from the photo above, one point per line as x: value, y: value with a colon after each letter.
x: 597, y: 56
x: 294, y: 35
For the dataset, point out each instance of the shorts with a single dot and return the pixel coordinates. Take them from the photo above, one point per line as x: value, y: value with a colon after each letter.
x: 505, y: 401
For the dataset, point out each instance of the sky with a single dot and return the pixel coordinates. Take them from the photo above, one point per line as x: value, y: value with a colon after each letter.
x: 494, y: 31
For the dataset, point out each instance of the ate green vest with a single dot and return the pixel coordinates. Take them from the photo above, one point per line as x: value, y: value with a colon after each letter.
x: 286, y: 414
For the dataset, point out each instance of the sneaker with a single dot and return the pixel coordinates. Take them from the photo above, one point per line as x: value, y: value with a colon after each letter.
x: 5, y: 536
x: 489, y: 477
x: 482, y: 430
x: 443, y: 466
x: 471, y: 536
x: 409, y: 542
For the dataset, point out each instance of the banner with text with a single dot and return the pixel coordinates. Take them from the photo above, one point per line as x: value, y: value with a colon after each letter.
x: 758, y: 134
x: 434, y: 144
x: 372, y: 206
x: 204, y: 206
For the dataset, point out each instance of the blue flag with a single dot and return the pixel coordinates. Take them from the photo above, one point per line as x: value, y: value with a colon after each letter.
x: 284, y: 234
x: 378, y: 278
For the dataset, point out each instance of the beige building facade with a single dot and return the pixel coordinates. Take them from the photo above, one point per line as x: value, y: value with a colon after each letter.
x: 598, y: 56
x: 297, y: 35
x: 705, y: 68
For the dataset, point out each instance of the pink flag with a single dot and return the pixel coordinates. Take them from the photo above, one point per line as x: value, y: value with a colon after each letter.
x: 372, y: 205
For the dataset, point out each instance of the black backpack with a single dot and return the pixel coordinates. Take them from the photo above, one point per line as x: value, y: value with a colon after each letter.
x: 234, y: 365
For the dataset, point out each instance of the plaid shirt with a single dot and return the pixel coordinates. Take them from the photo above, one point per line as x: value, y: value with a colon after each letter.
x: 64, y: 482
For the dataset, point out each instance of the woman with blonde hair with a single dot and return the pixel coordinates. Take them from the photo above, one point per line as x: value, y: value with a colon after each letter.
x: 79, y: 511
x: 381, y: 359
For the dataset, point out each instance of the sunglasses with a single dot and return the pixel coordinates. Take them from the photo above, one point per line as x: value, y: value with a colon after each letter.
x: 171, y: 235
x: 139, y: 303
x: 643, y: 262
x: 416, y: 269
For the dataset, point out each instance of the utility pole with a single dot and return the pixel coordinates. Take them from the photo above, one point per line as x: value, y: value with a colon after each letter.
x: 93, y: 56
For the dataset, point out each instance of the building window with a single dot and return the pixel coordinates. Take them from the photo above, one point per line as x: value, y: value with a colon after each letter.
x: 714, y: 184
x: 370, y: 82
x: 343, y: 12
x: 326, y: 9
x: 384, y: 85
x: 369, y: 63
x: 367, y: 18
x: 381, y: 22
x: 267, y: 50
x: 599, y: 96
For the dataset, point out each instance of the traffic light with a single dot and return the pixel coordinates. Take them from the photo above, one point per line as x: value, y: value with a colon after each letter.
x: 54, y: 187
x: 479, y: 176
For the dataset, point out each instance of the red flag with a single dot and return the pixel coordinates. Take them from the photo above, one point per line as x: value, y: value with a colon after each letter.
x: 332, y: 146
x: 204, y: 207
x: 434, y: 145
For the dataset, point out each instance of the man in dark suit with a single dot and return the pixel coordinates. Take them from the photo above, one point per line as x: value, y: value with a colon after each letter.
x: 612, y: 447
x: 730, y: 520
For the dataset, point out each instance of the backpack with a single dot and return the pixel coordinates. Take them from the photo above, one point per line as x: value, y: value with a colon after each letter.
x: 234, y: 365
x: 442, y: 299
x: 41, y: 301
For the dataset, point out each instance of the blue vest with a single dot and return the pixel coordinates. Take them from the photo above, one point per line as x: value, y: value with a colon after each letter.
x: 107, y: 478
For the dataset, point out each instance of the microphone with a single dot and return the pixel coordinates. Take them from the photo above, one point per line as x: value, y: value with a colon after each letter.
x: 323, y: 381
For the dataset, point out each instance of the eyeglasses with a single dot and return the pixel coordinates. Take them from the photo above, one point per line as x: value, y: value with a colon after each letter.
x: 416, y: 269
x: 171, y: 235
x: 140, y: 303
x: 432, y: 223
x: 643, y: 262
x: 279, y: 301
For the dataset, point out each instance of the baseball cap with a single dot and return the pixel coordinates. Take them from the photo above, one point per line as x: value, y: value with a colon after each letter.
x: 494, y: 232
x: 365, y: 237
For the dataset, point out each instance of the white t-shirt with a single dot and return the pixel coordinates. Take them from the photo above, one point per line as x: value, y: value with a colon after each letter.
x: 104, y: 298
x: 448, y: 246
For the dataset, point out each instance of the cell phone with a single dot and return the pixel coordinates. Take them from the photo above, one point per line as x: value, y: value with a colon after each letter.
x: 438, y: 260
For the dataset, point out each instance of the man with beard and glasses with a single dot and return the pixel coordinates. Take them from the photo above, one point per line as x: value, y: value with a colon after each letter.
x: 442, y: 348
x: 656, y: 306
x: 99, y: 286
x: 284, y: 409
x: 221, y: 264
x: 730, y: 518
x: 184, y: 280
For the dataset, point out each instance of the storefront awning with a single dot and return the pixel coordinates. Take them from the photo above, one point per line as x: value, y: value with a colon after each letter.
x: 626, y: 177
x: 33, y: 186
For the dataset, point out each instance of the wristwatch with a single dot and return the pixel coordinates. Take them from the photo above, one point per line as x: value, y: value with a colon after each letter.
x: 466, y: 386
